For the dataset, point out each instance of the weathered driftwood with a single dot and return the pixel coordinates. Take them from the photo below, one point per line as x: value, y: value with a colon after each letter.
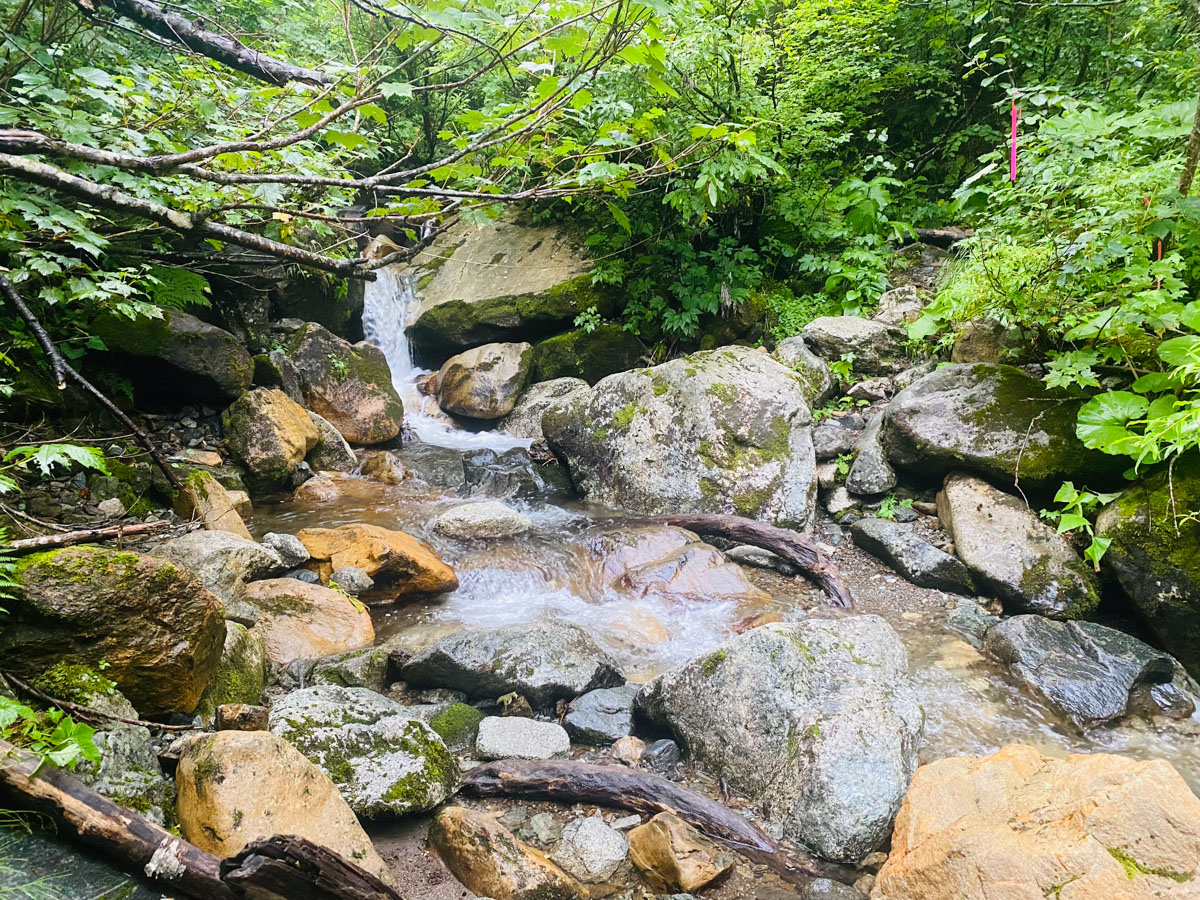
x: 291, y: 868
x: 642, y: 792
x: 86, y: 535
x: 131, y: 842
x: 798, y: 549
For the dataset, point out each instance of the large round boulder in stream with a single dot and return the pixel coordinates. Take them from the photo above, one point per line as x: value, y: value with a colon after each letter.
x: 383, y: 761
x: 525, y: 420
x: 818, y: 719
x: 484, y: 382
x: 349, y: 385
x: 722, y: 431
x: 544, y: 661
x: 996, y: 421
x: 270, y: 433
x: 157, y: 628
x: 1155, y: 553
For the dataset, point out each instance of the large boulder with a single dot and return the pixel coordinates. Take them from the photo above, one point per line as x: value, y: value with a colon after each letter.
x: 1086, y: 671
x: 1017, y: 824
x: 398, y: 564
x: 724, y: 431
x: 383, y: 761
x: 996, y: 421
x: 817, y: 718
x: 205, y: 500
x: 235, y: 787
x: 543, y: 661
x: 876, y: 348
x: 304, y: 621
x: 332, y: 452
x: 158, y: 630
x: 484, y: 382
x: 178, y: 352
x: 270, y: 433
x: 813, y: 371
x: 590, y: 355
x: 224, y: 562
x: 537, y: 281
x: 1155, y: 553
x: 348, y: 385
x: 485, y: 857
x: 525, y: 420
x: 241, y: 674
x: 1014, y: 554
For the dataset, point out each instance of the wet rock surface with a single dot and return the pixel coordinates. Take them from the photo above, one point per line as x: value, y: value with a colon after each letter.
x: 484, y: 382
x: 876, y: 346
x: 913, y: 557
x: 603, y: 716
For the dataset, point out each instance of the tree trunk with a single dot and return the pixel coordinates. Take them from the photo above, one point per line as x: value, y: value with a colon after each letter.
x: 291, y: 868
x: 798, y: 549
x: 1193, y: 156
x: 67, y: 538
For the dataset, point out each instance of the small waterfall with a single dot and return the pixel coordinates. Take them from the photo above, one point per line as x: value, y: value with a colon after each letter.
x: 389, y: 307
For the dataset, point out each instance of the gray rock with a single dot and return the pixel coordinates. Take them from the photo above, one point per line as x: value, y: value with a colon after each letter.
x: 485, y: 382
x: 382, y: 760
x: 909, y: 377
x: 332, y: 452
x: 112, y: 508
x: 840, y: 501
x: 818, y: 718
x: 276, y: 369
x: 814, y: 371
x: 590, y: 851
x: 745, y: 555
x: 542, y: 661
x: 512, y: 473
x: 832, y: 439
x: 128, y: 772
x: 968, y: 619
x: 871, y: 473
x: 723, y: 431
x: 352, y: 580
x: 917, y: 560
x: 367, y: 668
x: 662, y: 756
x: 308, y: 576
x: 871, y: 389
x: 481, y: 520
x: 224, y: 562
x: 287, y: 547
x: 899, y: 306
x: 544, y: 830
x: 603, y: 716
x: 994, y: 421
x: 525, y: 420
x: 515, y: 737
x: 1013, y: 553
x: 878, y: 348
x: 1084, y: 670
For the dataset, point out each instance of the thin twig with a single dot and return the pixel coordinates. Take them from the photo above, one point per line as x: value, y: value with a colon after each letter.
x: 86, y: 712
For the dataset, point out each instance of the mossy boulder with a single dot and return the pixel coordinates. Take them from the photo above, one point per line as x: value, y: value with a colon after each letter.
x: 276, y: 370
x: 178, y: 352
x: 457, y: 725
x: 1155, y: 553
x: 156, y: 626
x: 484, y: 382
x: 349, y: 385
x: 793, y: 352
x: 383, y: 761
x: 332, y: 452
x: 722, y: 431
x: 270, y: 433
x: 996, y: 421
x: 525, y: 421
x: 589, y: 355
x: 365, y: 668
x: 241, y: 674
x: 203, y: 499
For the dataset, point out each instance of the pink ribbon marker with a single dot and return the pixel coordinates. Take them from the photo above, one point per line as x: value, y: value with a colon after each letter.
x: 1012, y: 153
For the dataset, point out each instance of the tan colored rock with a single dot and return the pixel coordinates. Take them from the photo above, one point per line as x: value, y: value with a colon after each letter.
x: 269, y: 432
x: 382, y: 465
x: 306, y: 621
x: 241, y: 717
x: 199, y: 457
x: 484, y: 382
x: 485, y: 857
x: 1017, y: 825
x: 241, y: 502
x: 674, y: 857
x: 398, y: 563
x: 204, y: 499
x: 239, y: 786
x: 318, y: 489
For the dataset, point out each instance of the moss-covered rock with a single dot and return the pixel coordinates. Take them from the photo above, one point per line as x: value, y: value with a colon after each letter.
x: 589, y: 355
x: 270, y: 433
x: 457, y: 725
x: 1155, y: 553
x: 525, y: 421
x: 365, y: 668
x: 241, y: 674
x: 383, y: 761
x: 156, y: 626
x: 203, y: 499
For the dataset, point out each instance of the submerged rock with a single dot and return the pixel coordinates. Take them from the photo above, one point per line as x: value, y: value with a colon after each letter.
x: 916, y: 559
x: 603, y: 716
x: 157, y: 629
x: 674, y: 857
x: 485, y: 857
x: 241, y: 786
x: 525, y: 420
x: 1011, y: 552
x: 1155, y: 553
x: 723, y: 431
x: 397, y: 562
x: 484, y: 382
x: 305, y: 621
x: 516, y: 737
x: 270, y: 433
x: 382, y: 760
x: 482, y: 520
x: 818, y: 718
x: 877, y: 348
x: 1084, y: 670
x: 1081, y: 828
x: 543, y: 661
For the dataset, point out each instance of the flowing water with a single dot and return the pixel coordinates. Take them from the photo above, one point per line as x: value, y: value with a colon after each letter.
x: 971, y: 708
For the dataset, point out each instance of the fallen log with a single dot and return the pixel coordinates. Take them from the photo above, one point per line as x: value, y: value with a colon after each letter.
x: 643, y: 792
x: 131, y: 842
x: 291, y: 868
x: 798, y: 549
x: 946, y: 238
x: 83, y: 536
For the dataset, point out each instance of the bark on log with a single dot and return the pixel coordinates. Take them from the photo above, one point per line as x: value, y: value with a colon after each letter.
x: 131, y: 842
x: 291, y: 868
x: 223, y: 48
x: 68, y: 538
x: 798, y: 549
x: 648, y: 794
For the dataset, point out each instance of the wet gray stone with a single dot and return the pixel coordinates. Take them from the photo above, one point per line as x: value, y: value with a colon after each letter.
x: 662, y: 756
x: 831, y: 440
x: 515, y: 737
x: 871, y: 473
x: 352, y: 580
x: 288, y: 547
x: 366, y: 668
x: 590, y: 851
x: 603, y: 716
x: 916, y: 559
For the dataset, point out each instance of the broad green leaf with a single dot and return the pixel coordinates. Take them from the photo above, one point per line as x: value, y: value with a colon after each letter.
x: 391, y: 89
x: 1103, y: 420
x: 1180, y: 351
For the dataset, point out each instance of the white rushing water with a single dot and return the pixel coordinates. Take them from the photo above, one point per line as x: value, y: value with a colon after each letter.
x: 389, y: 307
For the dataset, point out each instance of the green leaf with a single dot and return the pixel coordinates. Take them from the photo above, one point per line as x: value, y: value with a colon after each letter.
x: 47, y: 456
x: 1103, y: 419
x: 1191, y: 315
x: 622, y: 219
x: 1180, y: 351
x: 391, y: 89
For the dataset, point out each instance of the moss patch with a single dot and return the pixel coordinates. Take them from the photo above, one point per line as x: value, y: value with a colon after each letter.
x: 1133, y: 868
